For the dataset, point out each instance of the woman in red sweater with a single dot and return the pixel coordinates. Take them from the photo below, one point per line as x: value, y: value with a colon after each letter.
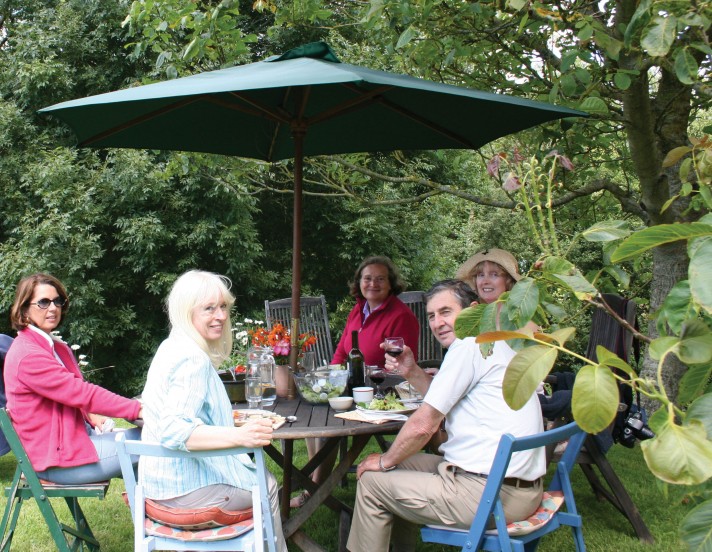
x: 378, y: 314
x: 52, y: 408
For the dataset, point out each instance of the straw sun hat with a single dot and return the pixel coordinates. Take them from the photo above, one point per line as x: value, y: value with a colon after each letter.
x: 503, y: 258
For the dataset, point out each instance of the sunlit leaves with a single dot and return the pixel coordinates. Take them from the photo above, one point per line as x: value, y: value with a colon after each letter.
x: 607, y: 230
x: 655, y: 236
x: 680, y: 454
x: 595, y: 398
x: 525, y: 372
x: 523, y: 301
x: 701, y: 410
x: 695, y: 346
x: 696, y: 527
x: 659, y: 36
x: 594, y: 106
x: 686, y: 67
x: 676, y: 308
x: 612, y: 360
x: 699, y: 272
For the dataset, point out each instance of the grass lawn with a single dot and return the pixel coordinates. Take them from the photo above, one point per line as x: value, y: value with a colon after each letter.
x: 604, y: 528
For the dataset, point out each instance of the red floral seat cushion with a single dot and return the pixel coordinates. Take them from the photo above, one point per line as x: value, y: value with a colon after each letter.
x: 195, y: 518
x: 226, y: 532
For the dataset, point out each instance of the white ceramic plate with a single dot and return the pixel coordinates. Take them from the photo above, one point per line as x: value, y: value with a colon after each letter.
x: 393, y: 414
x: 243, y: 415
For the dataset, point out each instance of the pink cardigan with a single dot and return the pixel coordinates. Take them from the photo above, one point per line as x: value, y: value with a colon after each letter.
x: 391, y: 319
x: 49, y: 402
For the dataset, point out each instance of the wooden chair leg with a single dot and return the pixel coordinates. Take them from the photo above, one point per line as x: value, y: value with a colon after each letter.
x: 619, y: 497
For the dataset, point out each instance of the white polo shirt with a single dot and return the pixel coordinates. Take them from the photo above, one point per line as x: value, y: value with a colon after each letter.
x: 468, y: 391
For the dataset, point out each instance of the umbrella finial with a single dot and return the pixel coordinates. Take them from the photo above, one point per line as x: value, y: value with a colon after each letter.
x: 315, y: 50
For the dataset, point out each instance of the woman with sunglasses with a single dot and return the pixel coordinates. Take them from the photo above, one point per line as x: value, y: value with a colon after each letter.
x: 52, y: 408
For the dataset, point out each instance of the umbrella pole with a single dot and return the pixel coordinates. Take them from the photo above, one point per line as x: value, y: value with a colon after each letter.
x: 298, y: 135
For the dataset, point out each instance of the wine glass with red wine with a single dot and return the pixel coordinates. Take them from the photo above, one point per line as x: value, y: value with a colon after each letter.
x: 377, y: 375
x: 394, y: 346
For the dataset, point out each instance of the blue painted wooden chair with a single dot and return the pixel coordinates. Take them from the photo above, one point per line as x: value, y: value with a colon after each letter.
x: 523, y: 535
x: 252, y: 535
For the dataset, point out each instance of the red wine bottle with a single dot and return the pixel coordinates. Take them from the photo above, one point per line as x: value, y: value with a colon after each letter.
x: 354, y: 364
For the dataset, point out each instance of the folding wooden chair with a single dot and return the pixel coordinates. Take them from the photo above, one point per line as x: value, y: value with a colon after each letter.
x: 248, y: 535
x: 599, y: 472
x: 525, y: 534
x: 26, y: 485
x: 312, y: 318
x: 430, y: 352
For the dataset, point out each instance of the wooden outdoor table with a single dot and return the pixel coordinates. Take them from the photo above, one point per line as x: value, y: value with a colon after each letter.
x: 317, y: 421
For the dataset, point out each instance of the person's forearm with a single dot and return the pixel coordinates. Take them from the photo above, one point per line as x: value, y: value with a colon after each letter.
x: 414, y: 435
x: 420, y: 380
x: 205, y: 437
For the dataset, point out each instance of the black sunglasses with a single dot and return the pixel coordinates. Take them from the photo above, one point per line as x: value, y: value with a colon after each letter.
x: 59, y: 302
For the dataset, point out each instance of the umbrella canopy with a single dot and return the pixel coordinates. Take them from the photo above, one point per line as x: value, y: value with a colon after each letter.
x: 305, y: 102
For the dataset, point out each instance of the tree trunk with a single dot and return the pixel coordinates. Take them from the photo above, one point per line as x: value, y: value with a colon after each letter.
x: 669, y: 266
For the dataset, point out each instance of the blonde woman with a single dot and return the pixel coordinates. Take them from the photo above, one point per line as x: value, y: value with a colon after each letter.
x: 186, y: 407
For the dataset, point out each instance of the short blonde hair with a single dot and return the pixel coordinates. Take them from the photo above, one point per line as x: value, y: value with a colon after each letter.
x: 191, y: 290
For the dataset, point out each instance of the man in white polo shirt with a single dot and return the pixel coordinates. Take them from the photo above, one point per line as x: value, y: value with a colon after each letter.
x: 404, y: 488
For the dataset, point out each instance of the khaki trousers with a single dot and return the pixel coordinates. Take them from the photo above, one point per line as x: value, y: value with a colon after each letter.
x: 425, y: 489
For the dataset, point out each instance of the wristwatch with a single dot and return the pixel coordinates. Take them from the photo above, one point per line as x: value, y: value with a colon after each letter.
x: 384, y: 469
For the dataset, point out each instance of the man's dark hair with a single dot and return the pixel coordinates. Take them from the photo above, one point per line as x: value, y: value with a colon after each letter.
x: 464, y: 294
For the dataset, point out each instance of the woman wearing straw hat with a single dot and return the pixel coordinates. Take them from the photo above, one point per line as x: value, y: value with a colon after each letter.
x: 491, y: 272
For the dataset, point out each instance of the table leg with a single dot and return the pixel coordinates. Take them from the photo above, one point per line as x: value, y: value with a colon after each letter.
x: 287, y: 459
x: 292, y: 524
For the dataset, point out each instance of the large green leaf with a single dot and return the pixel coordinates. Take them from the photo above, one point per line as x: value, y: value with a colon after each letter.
x: 654, y: 236
x: 694, y: 382
x: 563, y: 335
x: 612, y: 360
x: 658, y: 37
x: 595, y: 399
x: 640, y: 19
x: 677, y: 307
x: 680, y: 454
x: 699, y: 272
x: 607, y: 230
x: 701, y: 410
x: 594, y: 106
x: 580, y: 286
x: 685, y: 66
x: 696, y: 528
x: 660, y: 346
x: 491, y: 337
x: 695, y: 345
x: 523, y: 301
x: 525, y: 372
x: 467, y: 323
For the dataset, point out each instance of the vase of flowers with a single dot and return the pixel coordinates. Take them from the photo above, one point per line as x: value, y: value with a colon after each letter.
x: 279, y: 339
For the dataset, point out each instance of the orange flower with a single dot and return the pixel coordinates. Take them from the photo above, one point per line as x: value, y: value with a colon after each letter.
x: 278, y: 338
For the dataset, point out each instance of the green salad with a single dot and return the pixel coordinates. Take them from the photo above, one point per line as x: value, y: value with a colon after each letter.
x: 389, y: 402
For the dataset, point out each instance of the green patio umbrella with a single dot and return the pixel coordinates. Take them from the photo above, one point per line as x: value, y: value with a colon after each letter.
x: 304, y: 102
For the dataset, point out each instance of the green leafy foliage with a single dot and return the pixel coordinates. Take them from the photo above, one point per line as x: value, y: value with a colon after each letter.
x: 680, y: 454
x: 594, y: 399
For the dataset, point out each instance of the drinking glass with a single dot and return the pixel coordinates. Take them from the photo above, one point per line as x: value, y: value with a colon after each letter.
x: 394, y: 346
x: 377, y: 375
x: 309, y: 361
x: 253, y: 391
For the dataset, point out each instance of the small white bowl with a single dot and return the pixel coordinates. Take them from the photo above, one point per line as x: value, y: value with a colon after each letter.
x: 341, y: 403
